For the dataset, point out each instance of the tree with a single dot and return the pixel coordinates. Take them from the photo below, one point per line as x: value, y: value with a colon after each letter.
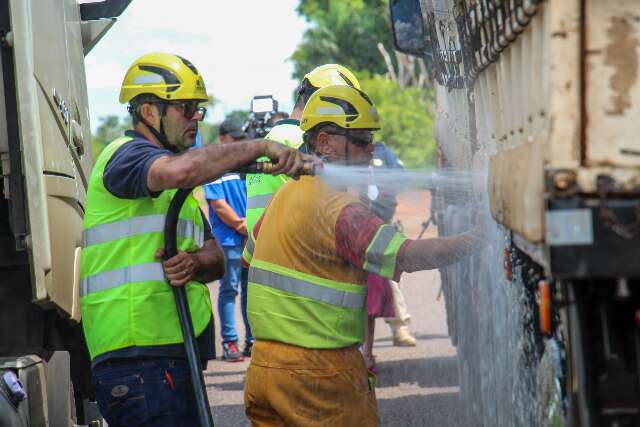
x: 209, y: 131
x: 239, y: 116
x: 406, y: 119
x: 344, y: 32
x: 110, y: 128
x: 357, y: 33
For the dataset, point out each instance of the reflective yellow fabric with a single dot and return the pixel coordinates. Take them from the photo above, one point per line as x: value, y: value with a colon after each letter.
x: 296, y: 240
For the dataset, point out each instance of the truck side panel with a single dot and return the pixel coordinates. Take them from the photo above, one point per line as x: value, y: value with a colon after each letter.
x: 612, y: 90
x: 57, y: 126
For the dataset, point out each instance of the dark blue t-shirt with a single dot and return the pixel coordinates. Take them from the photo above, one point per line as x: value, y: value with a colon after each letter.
x: 231, y: 188
x: 125, y: 176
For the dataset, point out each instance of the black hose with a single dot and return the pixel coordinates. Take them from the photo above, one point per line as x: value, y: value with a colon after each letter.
x: 180, y: 294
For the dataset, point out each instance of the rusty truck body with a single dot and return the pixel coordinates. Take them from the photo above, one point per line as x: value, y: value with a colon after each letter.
x: 544, y: 98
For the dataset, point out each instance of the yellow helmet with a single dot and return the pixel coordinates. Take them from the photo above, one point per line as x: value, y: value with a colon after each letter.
x: 343, y: 106
x: 164, y: 75
x: 331, y: 74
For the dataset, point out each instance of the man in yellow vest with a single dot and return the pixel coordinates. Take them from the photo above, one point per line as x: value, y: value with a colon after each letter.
x: 128, y: 311
x: 262, y: 187
x: 309, y: 259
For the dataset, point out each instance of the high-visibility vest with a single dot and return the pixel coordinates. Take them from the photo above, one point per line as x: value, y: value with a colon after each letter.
x: 261, y: 187
x: 124, y: 297
x: 301, y: 291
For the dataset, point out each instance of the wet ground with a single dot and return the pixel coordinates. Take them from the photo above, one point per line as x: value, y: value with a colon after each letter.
x: 416, y: 386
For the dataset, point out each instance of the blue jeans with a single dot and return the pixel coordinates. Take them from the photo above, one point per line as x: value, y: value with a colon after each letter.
x: 235, y: 277
x: 145, y: 392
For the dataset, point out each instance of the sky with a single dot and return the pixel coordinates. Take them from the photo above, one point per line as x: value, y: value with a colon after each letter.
x: 241, y: 48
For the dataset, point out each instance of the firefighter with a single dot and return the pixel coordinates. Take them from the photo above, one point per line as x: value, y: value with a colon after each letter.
x: 309, y: 259
x: 129, y: 316
x: 262, y: 187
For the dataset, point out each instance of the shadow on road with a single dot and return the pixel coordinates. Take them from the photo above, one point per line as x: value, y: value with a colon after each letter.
x: 428, y: 372
x: 434, y: 410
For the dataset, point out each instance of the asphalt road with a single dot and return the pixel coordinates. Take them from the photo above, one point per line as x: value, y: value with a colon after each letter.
x: 416, y: 386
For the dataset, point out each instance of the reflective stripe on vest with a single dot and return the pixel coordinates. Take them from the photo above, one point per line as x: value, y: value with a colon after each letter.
x: 249, y: 247
x: 308, y: 289
x: 380, y: 257
x: 122, y: 276
x: 289, y: 306
x: 260, y: 201
x: 138, y: 225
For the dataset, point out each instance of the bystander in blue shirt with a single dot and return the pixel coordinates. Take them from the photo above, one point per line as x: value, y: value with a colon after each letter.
x: 231, y: 188
x: 227, y: 200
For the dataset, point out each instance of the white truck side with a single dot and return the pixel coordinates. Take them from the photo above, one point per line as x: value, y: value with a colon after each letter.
x: 45, y: 159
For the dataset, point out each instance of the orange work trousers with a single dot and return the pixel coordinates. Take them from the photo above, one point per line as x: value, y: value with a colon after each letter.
x: 288, y: 385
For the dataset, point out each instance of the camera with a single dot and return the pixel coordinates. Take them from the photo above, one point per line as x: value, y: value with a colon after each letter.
x: 260, y: 122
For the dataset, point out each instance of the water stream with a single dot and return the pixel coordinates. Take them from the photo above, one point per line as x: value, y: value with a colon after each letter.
x: 490, y: 318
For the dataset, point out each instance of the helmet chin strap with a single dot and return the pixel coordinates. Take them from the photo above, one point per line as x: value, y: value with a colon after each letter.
x: 160, y: 136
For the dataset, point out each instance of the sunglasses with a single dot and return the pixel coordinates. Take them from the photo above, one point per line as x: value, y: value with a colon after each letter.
x: 361, y: 140
x: 189, y: 109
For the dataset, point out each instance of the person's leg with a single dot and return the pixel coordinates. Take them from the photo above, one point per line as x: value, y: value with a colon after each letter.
x: 400, y: 323
x: 256, y: 398
x: 227, y: 294
x: 323, y: 395
x: 244, y: 278
x: 173, y: 398
x: 120, y: 394
x: 149, y: 392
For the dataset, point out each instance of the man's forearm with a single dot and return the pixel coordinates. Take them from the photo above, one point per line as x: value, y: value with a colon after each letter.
x: 427, y: 254
x: 202, y: 165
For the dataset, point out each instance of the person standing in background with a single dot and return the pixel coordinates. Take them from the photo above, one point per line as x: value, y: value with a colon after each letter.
x: 227, y: 200
x: 385, y: 298
x: 385, y: 207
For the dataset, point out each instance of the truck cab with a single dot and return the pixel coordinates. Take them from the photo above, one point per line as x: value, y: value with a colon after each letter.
x: 45, y: 159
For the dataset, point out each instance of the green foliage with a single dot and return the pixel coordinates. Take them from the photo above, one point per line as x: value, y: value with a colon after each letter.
x: 239, y: 116
x: 111, y: 127
x: 406, y: 118
x: 208, y: 132
x: 344, y: 32
x: 347, y: 32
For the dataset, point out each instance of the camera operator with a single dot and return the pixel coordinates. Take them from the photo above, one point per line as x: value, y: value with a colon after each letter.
x: 260, y: 187
x: 263, y: 110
